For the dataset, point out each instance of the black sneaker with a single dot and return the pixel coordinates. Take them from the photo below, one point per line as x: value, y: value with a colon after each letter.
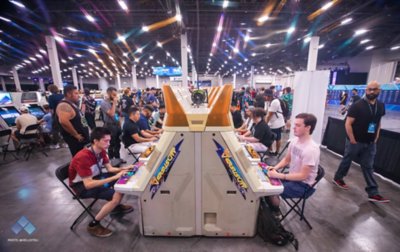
x: 122, y: 209
x: 99, y: 231
x: 340, y: 183
x: 378, y: 198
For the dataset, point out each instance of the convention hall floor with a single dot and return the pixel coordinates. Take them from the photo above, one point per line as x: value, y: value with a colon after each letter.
x: 342, y: 220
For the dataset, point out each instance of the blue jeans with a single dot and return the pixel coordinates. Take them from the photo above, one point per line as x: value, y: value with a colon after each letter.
x: 366, y: 152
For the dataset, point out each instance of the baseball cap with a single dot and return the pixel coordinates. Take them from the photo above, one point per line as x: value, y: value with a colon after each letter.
x: 24, y: 108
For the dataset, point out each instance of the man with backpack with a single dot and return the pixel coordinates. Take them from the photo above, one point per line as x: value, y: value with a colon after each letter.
x: 274, y: 118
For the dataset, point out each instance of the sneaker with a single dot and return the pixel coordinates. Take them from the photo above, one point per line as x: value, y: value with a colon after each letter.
x: 277, y: 215
x: 122, y: 209
x: 64, y: 145
x: 99, y: 231
x: 378, y: 198
x: 54, y: 146
x: 340, y: 183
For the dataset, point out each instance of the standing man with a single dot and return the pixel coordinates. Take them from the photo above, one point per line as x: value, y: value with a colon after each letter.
x: 363, y: 124
x: 274, y: 118
x: 288, y: 98
x: 126, y: 102
x: 89, y: 108
x: 53, y: 101
x: 111, y: 121
x: 74, y: 127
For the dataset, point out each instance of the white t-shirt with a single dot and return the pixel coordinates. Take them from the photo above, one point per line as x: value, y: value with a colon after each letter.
x: 25, y: 120
x: 277, y: 120
x: 302, y: 154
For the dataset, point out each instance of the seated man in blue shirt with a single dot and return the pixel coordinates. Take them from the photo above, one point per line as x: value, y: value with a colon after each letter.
x: 144, y: 125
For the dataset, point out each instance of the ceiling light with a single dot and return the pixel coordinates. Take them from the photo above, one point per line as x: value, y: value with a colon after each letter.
x: 139, y: 50
x: 253, y: 54
x: 17, y: 4
x: 247, y: 38
x: 90, y: 18
x: 151, y: 57
x: 70, y: 58
x: 5, y: 19
x: 123, y: 5
x: 321, y: 46
x: 145, y: 28
x: 395, y: 48
x: 214, y: 44
x: 58, y: 38
x: 159, y: 44
x: 121, y: 38
x: 235, y: 50
x: 78, y: 55
x: 39, y: 56
x: 268, y: 45
x: 42, y: 51
x: 346, y: 21
x: 219, y: 28
x: 92, y: 51
x: 211, y: 54
x: 359, y: 32
x: 245, y: 60
x: 364, y: 41
x: 327, y: 6
x: 262, y: 19
x: 307, y: 39
x: 225, y: 4
x: 291, y: 30
x: 72, y: 29
x: 178, y: 17
x: 369, y: 47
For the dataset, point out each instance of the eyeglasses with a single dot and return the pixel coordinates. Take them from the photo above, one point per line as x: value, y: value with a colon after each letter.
x: 372, y: 89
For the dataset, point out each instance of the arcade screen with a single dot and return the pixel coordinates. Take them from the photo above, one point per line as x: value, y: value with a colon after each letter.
x: 9, y: 114
x: 36, y: 110
x: 5, y: 98
x: 29, y: 97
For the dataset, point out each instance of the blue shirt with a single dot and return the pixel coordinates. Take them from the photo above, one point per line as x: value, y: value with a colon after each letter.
x: 54, y: 99
x: 48, y: 119
x: 143, y: 123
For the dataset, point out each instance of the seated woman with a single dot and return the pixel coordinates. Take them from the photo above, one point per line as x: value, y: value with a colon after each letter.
x: 260, y: 132
x: 248, y: 122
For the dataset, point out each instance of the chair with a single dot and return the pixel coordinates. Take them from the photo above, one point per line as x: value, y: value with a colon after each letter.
x: 4, y: 144
x: 62, y: 175
x: 31, y: 140
x: 294, y: 203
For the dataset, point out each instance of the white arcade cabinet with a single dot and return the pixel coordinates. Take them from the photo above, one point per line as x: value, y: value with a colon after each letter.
x: 198, y: 179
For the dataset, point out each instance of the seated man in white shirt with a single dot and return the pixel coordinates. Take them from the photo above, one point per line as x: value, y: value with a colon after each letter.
x: 22, y: 122
x: 303, y: 160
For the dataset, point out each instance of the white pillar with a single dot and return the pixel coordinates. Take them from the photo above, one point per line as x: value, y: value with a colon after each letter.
x: 184, y: 60
x: 16, y: 80
x: 54, y: 63
x: 3, y: 83
x: 118, y: 82
x: 234, y: 81
x: 220, y: 80
x: 134, y: 78
x: 313, y: 54
x: 75, y: 77
x: 81, y: 82
x: 252, y: 83
x: 103, y: 84
x: 41, y: 84
x: 157, y: 81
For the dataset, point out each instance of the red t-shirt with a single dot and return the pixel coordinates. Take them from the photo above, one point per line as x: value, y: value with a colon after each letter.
x: 84, y: 164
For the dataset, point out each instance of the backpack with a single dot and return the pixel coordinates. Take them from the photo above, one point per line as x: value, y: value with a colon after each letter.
x: 284, y: 108
x: 271, y: 230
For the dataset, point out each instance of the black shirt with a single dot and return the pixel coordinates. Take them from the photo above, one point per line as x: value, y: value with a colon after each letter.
x: 364, y: 113
x: 130, y: 128
x: 263, y: 133
x: 126, y: 102
x: 237, y: 119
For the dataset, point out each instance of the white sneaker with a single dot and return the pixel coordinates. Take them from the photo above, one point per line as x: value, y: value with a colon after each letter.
x: 64, y: 145
x: 54, y: 146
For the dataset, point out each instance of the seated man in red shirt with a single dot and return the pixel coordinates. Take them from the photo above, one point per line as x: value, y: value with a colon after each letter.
x: 88, y: 181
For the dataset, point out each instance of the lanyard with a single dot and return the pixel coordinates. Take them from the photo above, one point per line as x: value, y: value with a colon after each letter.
x: 370, y: 109
x: 97, y: 160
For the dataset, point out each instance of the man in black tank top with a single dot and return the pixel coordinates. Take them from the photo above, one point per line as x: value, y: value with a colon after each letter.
x: 73, y: 125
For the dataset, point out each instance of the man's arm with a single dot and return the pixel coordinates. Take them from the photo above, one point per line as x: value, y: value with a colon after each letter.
x: 283, y: 163
x: 349, y: 129
x: 146, y: 134
x: 65, y: 113
x: 111, y: 111
x: 140, y: 139
x: 269, y: 116
x: 378, y: 131
x: 298, y: 176
x: 90, y: 183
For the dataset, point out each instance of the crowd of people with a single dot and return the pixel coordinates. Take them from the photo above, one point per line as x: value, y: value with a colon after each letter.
x: 258, y: 116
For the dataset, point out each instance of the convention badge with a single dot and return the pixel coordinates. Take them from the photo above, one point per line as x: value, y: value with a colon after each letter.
x: 372, y: 128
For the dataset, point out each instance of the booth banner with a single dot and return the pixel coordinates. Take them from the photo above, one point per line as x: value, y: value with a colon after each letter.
x: 232, y: 169
x: 390, y: 94
x: 163, y: 170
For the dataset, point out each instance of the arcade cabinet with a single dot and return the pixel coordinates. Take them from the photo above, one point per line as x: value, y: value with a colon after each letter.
x: 8, y: 114
x: 198, y: 180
